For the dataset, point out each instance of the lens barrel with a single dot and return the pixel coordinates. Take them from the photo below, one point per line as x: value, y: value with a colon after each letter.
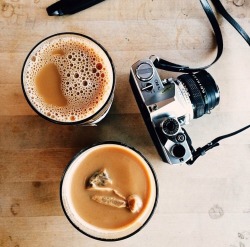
x: 203, y: 91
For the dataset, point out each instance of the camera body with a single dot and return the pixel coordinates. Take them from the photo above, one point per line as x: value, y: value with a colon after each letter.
x: 167, y: 105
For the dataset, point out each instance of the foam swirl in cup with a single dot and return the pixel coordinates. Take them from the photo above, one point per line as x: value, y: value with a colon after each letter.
x: 68, y: 78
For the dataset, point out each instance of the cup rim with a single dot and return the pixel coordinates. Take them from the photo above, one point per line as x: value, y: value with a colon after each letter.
x: 83, y: 120
x: 155, y: 181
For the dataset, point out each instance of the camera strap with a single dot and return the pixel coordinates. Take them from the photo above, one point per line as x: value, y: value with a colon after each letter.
x: 214, y: 143
x: 166, y: 65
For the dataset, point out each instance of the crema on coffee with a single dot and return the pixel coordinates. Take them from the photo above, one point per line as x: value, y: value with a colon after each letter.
x: 68, y: 78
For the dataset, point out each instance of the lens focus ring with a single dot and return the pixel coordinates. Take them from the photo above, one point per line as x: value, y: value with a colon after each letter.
x: 194, y: 94
x: 203, y: 91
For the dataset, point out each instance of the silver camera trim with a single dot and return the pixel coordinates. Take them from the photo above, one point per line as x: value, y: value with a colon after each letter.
x: 162, y: 99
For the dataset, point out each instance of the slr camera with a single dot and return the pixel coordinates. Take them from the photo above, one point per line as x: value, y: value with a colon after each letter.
x: 169, y: 104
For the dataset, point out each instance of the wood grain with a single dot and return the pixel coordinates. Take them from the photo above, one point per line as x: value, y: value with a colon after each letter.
x: 205, y: 205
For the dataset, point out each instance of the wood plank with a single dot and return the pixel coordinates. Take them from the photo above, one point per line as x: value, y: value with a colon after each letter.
x: 15, y: 131
x: 34, y: 165
x: 30, y: 190
x: 56, y: 231
x: 29, y: 199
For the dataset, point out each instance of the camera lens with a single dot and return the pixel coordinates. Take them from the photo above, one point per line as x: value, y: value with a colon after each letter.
x: 203, y: 91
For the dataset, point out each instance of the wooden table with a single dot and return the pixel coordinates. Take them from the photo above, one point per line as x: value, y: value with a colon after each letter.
x: 207, y: 204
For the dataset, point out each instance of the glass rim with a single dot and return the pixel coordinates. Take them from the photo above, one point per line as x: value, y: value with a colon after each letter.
x: 155, y: 180
x: 82, y: 121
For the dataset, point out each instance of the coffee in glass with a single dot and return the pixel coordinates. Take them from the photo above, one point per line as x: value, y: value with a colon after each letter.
x: 69, y: 78
x: 109, y: 191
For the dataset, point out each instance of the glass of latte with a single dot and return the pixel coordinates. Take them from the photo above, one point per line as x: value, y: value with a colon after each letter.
x: 109, y: 191
x: 69, y: 78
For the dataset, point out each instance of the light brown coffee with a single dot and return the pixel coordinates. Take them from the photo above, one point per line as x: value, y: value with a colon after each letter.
x: 109, y: 191
x: 129, y: 177
x: 68, y: 78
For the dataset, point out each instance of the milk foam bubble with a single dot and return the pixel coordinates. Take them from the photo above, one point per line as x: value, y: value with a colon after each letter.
x: 86, y: 76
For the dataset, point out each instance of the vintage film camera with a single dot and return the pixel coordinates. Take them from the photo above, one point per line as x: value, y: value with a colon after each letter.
x: 169, y: 104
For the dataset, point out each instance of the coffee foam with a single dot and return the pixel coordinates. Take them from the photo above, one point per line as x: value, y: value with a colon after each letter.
x: 86, y: 76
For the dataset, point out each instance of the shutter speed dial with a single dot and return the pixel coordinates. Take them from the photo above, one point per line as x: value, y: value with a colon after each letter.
x: 170, y: 126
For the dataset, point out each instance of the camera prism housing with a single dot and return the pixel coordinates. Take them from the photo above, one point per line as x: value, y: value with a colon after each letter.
x: 166, y: 105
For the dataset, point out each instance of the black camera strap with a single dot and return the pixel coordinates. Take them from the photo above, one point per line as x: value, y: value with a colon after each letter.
x: 214, y: 143
x: 166, y: 65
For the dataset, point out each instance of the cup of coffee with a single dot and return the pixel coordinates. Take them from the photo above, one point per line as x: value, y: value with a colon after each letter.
x: 69, y: 78
x: 109, y: 191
